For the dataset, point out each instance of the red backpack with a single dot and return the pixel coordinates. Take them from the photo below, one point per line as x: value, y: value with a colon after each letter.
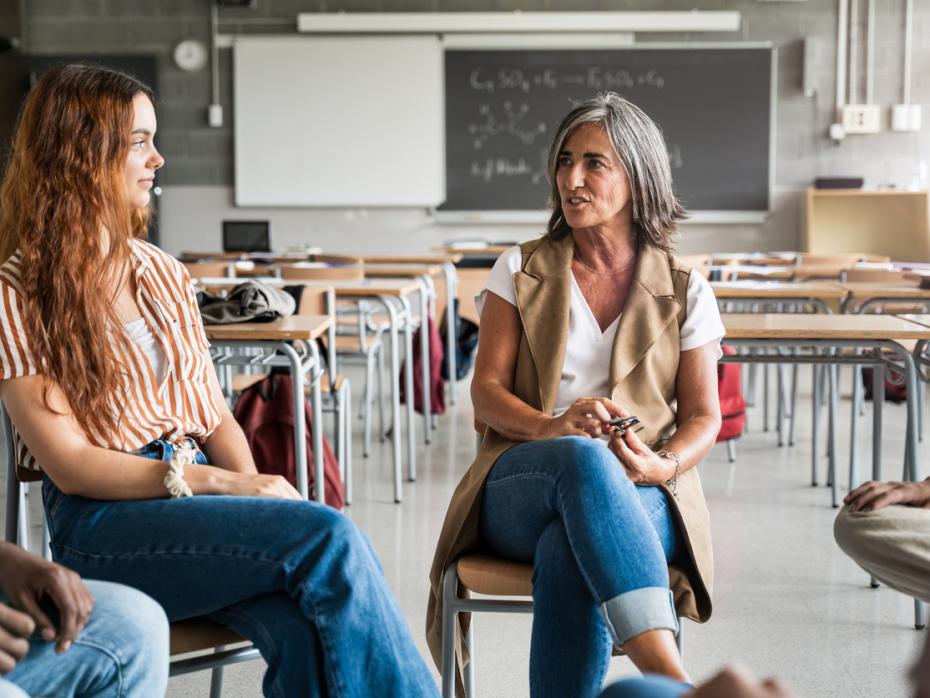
x: 266, y: 413
x: 732, y: 403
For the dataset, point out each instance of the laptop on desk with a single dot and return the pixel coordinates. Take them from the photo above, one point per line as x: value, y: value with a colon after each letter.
x: 247, y: 236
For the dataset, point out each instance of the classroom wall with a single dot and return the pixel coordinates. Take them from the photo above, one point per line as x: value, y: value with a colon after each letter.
x: 198, y: 179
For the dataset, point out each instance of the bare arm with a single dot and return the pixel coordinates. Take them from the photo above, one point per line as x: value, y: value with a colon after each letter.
x: 227, y: 447
x: 78, y: 467
x: 698, y: 422
x: 492, y: 386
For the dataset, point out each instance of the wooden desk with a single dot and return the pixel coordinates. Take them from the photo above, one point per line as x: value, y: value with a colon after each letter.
x: 826, y: 335
x: 479, y: 251
x: 436, y: 258
x: 273, y: 257
x: 777, y: 289
x: 401, y: 271
x: 862, y: 295
x: 814, y: 293
x: 276, y: 336
x: 291, y: 328
x: 803, y: 272
x: 753, y: 258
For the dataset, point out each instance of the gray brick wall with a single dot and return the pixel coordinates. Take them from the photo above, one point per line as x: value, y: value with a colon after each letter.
x: 203, y: 156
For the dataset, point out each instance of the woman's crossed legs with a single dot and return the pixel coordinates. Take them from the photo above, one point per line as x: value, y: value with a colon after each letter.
x: 599, y: 545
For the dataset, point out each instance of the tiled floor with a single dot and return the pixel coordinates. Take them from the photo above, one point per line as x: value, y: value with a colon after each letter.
x: 787, y: 601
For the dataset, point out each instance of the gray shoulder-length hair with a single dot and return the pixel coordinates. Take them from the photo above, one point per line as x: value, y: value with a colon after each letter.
x: 639, y: 145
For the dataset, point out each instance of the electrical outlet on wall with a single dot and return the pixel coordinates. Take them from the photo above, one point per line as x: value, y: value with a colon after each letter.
x: 862, y: 118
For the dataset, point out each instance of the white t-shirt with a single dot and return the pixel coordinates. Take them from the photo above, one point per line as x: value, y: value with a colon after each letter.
x: 586, y: 370
x: 140, y: 333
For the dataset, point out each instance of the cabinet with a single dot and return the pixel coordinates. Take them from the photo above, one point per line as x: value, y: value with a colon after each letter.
x: 882, y: 222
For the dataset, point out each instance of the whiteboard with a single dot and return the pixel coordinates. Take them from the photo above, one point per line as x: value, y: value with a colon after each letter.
x: 339, y: 121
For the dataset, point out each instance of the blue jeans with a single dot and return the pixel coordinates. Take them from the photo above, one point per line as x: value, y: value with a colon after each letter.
x: 296, y: 578
x: 648, y: 686
x: 599, y: 545
x: 122, y: 651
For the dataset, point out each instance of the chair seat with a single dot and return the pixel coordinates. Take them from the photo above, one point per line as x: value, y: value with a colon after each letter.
x: 198, y: 634
x: 244, y: 380
x: 350, y: 344
x: 495, y: 576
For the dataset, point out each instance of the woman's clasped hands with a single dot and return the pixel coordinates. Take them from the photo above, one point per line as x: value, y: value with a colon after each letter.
x: 590, y: 416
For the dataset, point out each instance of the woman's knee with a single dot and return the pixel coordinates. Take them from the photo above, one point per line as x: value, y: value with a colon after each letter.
x: 132, y: 618
x: 132, y: 630
x: 589, y: 463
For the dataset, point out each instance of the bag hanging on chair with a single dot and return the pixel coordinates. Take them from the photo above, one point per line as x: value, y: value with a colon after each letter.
x: 732, y: 402
x: 266, y: 413
x: 437, y: 387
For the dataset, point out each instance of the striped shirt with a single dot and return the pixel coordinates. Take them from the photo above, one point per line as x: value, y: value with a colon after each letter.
x: 179, y: 403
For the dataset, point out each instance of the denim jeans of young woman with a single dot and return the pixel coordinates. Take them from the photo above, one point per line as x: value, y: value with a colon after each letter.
x: 297, y: 578
x: 122, y: 652
x: 599, y: 546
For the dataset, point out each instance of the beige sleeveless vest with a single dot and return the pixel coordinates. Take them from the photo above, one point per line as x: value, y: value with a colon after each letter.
x: 643, y: 371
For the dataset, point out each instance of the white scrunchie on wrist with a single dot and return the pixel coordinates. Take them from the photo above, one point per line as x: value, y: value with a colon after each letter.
x: 184, y: 454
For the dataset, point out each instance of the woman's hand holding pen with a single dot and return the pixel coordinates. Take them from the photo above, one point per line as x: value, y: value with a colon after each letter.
x: 587, y: 416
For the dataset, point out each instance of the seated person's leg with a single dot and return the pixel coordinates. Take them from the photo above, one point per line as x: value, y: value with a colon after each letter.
x: 648, y: 686
x: 123, y: 650
x: 10, y: 690
x: 892, y: 544
x: 276, y: 625
x: 198, y: 555
x: 603, y: 552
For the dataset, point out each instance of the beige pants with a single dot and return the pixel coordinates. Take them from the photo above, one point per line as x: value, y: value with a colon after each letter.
x: 892, y: 544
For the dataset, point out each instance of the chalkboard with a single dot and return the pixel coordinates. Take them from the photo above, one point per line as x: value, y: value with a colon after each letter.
x: 714, y: 106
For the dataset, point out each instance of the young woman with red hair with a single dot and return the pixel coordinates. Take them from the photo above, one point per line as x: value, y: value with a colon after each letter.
x: 148, y: 480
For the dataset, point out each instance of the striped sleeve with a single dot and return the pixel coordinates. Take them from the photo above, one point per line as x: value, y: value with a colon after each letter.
x: 15, y: 356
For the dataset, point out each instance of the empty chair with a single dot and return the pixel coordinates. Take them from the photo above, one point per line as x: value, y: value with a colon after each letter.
x: 210, y: 270
x: 895, y: 277
x: 826, y: 259
x: 357, y: 340
x: 312, y: 271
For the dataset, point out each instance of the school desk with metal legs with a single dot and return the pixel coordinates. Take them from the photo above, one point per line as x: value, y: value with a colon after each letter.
x: 825, y: 335
x: 274, y: 340
x: 393, y: 296
x: 778, y: 296
x: 446, y: 262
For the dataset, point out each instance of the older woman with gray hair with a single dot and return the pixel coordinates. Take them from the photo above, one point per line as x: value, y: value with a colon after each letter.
x: 581, y: 330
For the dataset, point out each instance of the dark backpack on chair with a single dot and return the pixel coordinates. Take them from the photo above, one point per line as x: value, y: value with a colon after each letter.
x: 266, y: 413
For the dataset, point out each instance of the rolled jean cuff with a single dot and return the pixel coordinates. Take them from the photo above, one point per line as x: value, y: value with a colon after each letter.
x: 637, y: 611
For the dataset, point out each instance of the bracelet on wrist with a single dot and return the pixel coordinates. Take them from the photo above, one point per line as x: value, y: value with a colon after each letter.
x: 672, y: 482
x: 183, y: 455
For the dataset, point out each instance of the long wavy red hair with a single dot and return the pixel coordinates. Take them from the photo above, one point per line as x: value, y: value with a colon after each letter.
x: 64, y: 206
